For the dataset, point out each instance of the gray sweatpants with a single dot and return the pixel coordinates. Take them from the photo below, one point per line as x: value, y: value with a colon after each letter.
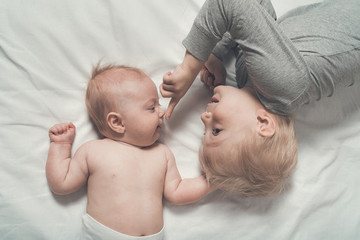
x: 305, y: 55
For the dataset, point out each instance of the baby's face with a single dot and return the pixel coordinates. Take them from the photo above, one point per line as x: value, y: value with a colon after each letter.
x: 229, y: 116
x: 141, y: 112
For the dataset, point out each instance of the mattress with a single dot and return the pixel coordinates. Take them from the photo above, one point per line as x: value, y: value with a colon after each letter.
x: 47, y: 50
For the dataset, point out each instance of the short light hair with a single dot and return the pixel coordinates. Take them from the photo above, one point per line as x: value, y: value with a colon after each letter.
x: 99, y: 95
x: 254, y: 167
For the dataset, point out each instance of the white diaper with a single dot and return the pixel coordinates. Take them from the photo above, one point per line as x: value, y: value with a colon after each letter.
x: 93, y: 230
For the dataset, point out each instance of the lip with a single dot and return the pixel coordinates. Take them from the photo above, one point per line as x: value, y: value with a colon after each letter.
x: 213, y: 100
x: 158, y: 129
x: 160, y: 124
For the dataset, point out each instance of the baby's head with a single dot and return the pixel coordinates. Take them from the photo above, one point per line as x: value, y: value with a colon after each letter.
x: 246, y: 149
x: 123, y: 103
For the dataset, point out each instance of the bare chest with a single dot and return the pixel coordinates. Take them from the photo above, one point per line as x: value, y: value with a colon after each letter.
x: 124, y: 169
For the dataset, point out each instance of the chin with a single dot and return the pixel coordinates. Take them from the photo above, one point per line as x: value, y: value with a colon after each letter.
x: 150, y: 142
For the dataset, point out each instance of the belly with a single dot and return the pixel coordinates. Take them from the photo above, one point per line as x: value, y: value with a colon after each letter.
x: 130, y: 212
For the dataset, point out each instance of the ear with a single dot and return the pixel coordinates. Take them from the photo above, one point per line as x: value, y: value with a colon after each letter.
x: 266, y: 123
x: 115, y: 122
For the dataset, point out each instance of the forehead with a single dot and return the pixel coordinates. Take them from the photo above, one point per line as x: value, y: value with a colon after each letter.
x: 131, y: 83
x: 127, y: 86
x: 142, y: 87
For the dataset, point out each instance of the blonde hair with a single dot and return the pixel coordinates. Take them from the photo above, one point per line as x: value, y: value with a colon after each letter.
x: 254, y: 167
x: 99, y: 95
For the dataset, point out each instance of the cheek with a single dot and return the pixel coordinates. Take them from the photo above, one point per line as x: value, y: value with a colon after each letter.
x: 152, y: 121
x: 148, y: 124
x: 225, y: 110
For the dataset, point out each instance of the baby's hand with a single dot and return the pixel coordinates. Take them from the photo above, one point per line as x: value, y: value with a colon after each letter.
x: 62, y: 133
x: 176, y: 84
x: 213, y: 73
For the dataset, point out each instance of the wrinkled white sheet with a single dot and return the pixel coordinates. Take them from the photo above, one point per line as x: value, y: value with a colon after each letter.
x: 47, y: 49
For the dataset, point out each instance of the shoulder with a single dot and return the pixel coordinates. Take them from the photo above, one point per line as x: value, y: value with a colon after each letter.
x: 92, y: 145
x: 94, y: 149
x: 168, y: 153
x: 162, y: 148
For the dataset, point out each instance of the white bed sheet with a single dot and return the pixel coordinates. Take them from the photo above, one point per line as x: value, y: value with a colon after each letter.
x: 47, y: 49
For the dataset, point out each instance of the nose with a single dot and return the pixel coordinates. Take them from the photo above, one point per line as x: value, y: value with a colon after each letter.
x: 218, y: 88
x: 161, y: 112
x: 205, y: 118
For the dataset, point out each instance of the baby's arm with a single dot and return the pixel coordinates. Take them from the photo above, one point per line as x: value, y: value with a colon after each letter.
x: 64, y: 174
x: 183, y: 191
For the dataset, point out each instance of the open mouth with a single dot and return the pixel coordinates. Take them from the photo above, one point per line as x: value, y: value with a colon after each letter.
x: 159, y: 125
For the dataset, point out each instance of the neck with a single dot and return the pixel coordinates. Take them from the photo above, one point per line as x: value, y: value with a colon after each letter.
x: 128, y: 144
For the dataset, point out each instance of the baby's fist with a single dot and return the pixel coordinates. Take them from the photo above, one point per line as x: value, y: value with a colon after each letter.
x: 62, y: 133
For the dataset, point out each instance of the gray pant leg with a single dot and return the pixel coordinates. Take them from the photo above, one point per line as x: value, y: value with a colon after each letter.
x: 240, y: 66
x: 327, y: 35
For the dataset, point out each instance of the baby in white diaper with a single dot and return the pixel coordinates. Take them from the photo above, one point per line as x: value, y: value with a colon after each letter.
x: 127, y: 171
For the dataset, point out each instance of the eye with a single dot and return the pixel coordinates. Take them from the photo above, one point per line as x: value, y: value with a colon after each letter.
x: 154, y: 107
x: 151, y: 109
x: 216, y: 131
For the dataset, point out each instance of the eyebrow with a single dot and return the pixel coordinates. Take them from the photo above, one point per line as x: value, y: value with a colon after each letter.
x: 151, y: 101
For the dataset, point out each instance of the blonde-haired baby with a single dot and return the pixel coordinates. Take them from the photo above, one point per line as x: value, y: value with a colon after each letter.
x: 127, y: 172
x: 250, y: 146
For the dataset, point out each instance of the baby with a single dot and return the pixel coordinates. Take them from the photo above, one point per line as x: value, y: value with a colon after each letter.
x: 127, y: 171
